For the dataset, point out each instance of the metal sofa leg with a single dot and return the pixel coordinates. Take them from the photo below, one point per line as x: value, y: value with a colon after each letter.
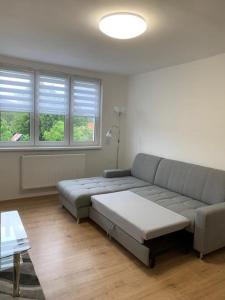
x: 201, y: 255
x: 78, y: 220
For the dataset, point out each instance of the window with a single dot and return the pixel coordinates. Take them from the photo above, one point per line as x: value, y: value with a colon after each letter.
x: 40, y: 109
x: 85, y: 110
x: 52, y: 108
x: 16, y: 106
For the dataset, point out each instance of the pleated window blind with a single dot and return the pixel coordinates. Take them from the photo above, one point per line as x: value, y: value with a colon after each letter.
x: 16, y: 91
x: 85, y: 97
x: 52, y: 95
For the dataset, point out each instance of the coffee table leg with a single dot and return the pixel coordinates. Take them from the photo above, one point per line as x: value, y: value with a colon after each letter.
x: 16, y: 275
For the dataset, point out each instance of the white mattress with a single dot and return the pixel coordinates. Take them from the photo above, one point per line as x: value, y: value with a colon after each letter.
x: 137, y: 216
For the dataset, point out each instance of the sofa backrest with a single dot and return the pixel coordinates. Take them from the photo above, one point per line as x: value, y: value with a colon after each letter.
x: 201, y: 183
x: 145, y: 166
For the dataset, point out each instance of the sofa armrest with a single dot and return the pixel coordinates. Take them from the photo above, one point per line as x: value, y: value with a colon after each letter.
x: 210, y: 228
x: 116, y: 173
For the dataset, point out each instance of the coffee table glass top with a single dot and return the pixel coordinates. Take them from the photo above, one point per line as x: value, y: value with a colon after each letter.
x: 13, y: 237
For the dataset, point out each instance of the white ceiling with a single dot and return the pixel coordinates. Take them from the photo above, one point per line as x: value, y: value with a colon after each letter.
x: 66, y: 32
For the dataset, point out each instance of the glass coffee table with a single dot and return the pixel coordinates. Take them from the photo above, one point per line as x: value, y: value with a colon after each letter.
x: 13, y: 242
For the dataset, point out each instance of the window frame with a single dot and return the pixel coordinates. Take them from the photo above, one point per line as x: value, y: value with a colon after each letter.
x: 97, y: 129
x: 29, y: 143
x: 68, y: 142
x: 37, y: 114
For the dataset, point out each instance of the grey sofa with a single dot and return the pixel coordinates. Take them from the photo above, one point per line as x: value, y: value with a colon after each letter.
x: 75, y: 195
x: 196, y: 192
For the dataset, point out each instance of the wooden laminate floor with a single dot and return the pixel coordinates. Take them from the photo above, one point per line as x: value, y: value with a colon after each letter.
x: 79, y: 262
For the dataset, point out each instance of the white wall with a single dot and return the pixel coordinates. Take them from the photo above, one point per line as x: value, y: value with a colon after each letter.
x: 114, y: 93
x: 179, y: 113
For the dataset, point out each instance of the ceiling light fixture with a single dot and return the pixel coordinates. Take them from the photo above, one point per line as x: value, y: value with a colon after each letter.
x: 122, y: 25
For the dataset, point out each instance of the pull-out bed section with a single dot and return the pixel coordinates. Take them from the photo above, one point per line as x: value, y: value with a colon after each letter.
x: 133, y: 221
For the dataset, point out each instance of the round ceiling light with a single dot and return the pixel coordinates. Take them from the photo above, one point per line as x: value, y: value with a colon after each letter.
x: 122, y: 25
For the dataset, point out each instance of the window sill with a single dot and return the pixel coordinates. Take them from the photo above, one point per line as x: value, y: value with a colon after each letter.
x: 17, y: 149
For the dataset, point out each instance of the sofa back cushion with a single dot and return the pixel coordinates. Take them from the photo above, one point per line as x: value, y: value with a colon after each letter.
x: 214, y: 190
x: 145, y: 166
x: 201, y: 183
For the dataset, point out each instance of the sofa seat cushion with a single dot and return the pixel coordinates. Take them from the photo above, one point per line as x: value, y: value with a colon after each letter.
x: 182, y: 205
x: 79, y: 191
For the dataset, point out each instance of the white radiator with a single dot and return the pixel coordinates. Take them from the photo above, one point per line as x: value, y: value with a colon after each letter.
x: 40, y: 171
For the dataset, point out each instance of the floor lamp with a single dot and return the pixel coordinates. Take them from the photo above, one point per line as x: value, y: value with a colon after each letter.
x: 114, y: 132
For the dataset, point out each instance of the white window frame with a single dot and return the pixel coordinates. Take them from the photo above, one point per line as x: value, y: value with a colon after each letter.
x: 37, y: 115
x: 29, y: 143
x: 97, y: 130
x: 68, y: 142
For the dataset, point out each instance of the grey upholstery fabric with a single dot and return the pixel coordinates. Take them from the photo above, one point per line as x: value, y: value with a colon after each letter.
x: 210, y: 228
x: 116, y: 173
x: 182, y: 205
x: 201, y: 183
x: 214, y: 189
x: 145, y: 166
x: 79, y: 191
x: 81, y: 212
x: 140, y: 251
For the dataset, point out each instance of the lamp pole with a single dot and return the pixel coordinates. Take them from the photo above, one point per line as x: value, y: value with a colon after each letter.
x: 116, y: 136
x: 118, y: 142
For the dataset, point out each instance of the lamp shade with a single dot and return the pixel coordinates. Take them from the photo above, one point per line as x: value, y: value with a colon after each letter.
x: 109, y: 133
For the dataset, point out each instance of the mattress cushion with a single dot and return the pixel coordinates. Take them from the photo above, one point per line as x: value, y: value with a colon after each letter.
x: 180, y: 204
x: 140, y: 218
x: 79, y: 191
